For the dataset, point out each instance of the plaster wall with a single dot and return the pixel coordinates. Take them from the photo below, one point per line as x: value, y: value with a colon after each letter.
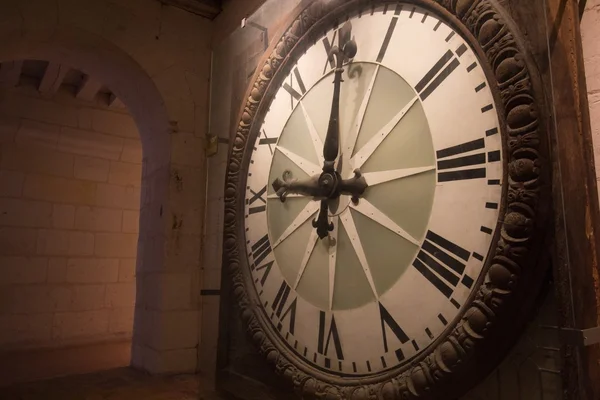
x: 70, y: 177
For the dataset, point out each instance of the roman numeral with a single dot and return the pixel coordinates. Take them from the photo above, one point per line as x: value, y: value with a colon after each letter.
x: 281, y: 299
x: 267, y: 141
x: 323, y: 345
x: 267, y: 269
x: 462, y: 166
x: 445, y: 258
x: 327, y: 45
x: 295, y: 95
x: 256, y: 196
x: 387, y: 38
x: 261, y: 249
x: 387, y: 320
x: 434, y: 78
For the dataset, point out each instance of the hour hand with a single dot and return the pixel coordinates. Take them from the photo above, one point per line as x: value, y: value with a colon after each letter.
x: 322, y: 222
x: 307, y: 187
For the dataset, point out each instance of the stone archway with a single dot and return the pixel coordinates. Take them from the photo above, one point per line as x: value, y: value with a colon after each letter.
x: 165, y: 335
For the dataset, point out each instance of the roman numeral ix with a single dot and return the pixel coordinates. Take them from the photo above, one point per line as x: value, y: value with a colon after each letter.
x: 260, y: 250
x: 446, y: 259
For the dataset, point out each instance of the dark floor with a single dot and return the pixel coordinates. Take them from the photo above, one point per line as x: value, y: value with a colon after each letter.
x: 115, y: 384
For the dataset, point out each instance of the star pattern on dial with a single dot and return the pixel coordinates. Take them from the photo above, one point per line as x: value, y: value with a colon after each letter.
x: 345, y: 218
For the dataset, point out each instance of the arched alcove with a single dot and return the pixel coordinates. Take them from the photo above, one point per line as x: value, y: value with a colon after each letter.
x: 118, y: 71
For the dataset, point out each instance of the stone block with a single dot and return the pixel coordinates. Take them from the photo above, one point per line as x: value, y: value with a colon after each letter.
x: 210, y: 314
x: 87, y: 297
x: 91, y: 169
x: 125, y: 174
x: 19, y: 104
x: 171, y: 361
x: 96, y: 219
x: 171, y: 330
x: 57, y: 270
x: 120, y: 295
x: 131, y: 221
x: 182, y: 252
x: 63, y: 216
x: 201, y: 120
x: 84, y: 118
x: 121, y: 245
x: 127, y: 269
x: 37, y: 134
x: 25, y: 213
x: 17, y: 241
x: 88, y: 143
x: 38, y: 160
x: 132, y: 151
x: 172, y: 82
x: 33, y: 299
x: 188, y: 150
x: 22, y: 270
x: 211, y: 278
x: 169, y: 291
x: 61, y: 190
x: 64, y: 243
x: 11, y: 183
x: 182, y: 112
x: 121, y: 320
x: 8, y: 128
x: 114, y: 123
x: 126, y: 197
x: 92, y: 270
x: 69, y: 325
x: 89, y: 16
x: 187, y: 186
x: 25, y: 328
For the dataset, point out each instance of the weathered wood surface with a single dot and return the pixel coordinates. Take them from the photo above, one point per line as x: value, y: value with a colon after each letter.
x: 576, y: 210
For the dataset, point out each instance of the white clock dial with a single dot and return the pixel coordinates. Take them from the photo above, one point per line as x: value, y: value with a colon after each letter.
x: 418, y: 119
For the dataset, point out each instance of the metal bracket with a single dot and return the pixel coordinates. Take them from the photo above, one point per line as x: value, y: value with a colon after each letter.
x: 264, y: 31
x: 212, y: 145
x: 578, y: 337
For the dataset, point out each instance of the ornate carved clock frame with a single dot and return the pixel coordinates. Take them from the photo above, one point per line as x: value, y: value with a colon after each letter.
x: 491, y: 320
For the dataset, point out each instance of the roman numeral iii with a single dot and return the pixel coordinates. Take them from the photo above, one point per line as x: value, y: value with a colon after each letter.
x: 260, y: 250
x: 464, y: 167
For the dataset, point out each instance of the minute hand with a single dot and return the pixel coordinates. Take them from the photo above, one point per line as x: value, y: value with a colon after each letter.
x: 331, y: 145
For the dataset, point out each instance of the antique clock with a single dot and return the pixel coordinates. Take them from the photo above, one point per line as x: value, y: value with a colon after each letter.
x: 383, y: 197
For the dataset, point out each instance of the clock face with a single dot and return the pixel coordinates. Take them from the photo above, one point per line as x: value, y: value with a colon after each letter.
x: 419, y: 121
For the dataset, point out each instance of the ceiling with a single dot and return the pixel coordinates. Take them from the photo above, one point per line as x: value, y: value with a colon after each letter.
x: 205, y: 8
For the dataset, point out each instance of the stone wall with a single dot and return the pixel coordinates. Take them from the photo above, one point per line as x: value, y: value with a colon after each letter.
x: 156, y: 59
x: 70, y: 177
